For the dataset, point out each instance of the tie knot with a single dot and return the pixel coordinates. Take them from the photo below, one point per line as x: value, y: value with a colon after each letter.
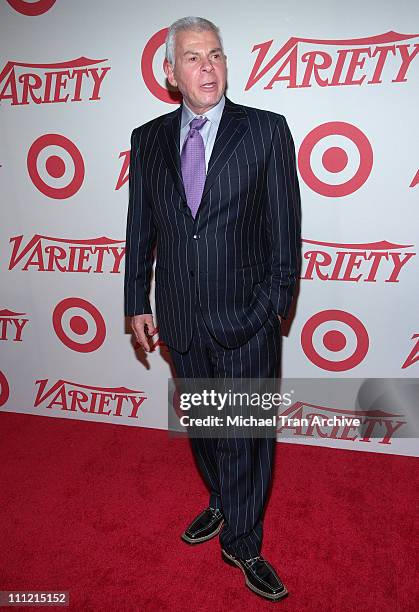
x: 197, y: 123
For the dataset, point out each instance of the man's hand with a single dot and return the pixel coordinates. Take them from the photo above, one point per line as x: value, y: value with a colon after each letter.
x: 143, y: 326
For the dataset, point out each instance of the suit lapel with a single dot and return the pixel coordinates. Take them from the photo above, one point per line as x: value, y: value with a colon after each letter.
x: 233, y: 126
x: 168, y: 137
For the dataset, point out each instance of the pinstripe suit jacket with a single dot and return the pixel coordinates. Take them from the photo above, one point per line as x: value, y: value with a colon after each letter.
x: 240, y: 256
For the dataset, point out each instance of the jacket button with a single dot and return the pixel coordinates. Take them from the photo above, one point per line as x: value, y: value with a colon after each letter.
x: 195, y: 236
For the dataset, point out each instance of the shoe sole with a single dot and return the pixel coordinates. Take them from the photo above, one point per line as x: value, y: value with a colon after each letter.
x: 189, y: 540
x: 230, y: 561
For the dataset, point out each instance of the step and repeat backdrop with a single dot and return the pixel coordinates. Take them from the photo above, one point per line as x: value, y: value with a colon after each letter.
x: 77, y: 77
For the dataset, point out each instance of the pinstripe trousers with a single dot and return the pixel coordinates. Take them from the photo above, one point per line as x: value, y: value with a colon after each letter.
x: 237, y: 471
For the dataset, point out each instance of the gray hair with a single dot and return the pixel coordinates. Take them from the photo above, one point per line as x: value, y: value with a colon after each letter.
x: 188, y: 23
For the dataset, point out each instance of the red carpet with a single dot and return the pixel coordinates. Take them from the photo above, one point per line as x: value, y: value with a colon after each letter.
x: 97, y: 510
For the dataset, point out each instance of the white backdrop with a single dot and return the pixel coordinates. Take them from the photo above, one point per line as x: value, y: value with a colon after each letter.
x: 77, y: 77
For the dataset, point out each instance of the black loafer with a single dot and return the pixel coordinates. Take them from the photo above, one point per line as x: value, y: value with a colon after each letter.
x: 204, y: 527
x: 260, y: 576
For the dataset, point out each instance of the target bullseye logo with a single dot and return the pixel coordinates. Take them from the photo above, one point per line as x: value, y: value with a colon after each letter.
x: 79, y: 325
x: 32, y: 9
x: 334, y: 340
x: 147, y: 70
x: 55, y: 166
x: 4, y: 389
x: 335, y: 159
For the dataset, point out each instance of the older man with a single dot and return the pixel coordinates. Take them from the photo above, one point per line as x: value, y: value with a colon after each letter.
x: 214, y: 183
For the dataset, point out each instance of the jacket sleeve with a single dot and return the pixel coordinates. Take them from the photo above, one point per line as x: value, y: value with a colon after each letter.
x: 140, y: 238
x: 283, y: 218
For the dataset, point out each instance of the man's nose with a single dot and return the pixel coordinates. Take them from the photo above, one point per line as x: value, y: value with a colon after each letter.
x: 207, y: 65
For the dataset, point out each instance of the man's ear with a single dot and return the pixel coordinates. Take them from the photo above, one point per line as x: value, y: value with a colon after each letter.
x: 168, y: 70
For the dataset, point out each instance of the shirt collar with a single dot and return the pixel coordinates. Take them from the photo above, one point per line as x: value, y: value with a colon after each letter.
x: 213, y: 114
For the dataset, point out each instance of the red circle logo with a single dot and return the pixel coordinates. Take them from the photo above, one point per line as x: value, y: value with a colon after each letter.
x: 334, y: 340
x: 79, y: 325
x: 4, y: 389
x: 61, y: 164
x: 32, y: 9
x: 147, y: 59
x: 335, y: 159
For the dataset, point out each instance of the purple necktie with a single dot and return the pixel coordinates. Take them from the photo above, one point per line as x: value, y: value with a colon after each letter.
x: 193, y: 165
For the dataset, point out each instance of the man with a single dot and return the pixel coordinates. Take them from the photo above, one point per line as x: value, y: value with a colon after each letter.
x: 214, y: 184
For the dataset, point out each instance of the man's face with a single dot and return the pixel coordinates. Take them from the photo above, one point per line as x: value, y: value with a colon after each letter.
x: 200, y: 71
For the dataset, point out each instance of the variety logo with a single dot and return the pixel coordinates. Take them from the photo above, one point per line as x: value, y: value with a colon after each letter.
x: 355, y: 262
x: 74, y: 397
x: 415, y: 180
x: 49, y: 254
x: 334, y: 340
x: 124, y: 174
x: 413, y: 356
x: 148, y: 61
x: 4, y: 389
x: 75, y: 80
x: 55, y: 166
x: 79, y: 325
x: 11, y: 325
x: 307, y: 62
x: 302, y: 419
x: 335, y: 159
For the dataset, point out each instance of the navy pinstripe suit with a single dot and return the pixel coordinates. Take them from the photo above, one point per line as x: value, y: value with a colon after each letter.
x: 221, y: 278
